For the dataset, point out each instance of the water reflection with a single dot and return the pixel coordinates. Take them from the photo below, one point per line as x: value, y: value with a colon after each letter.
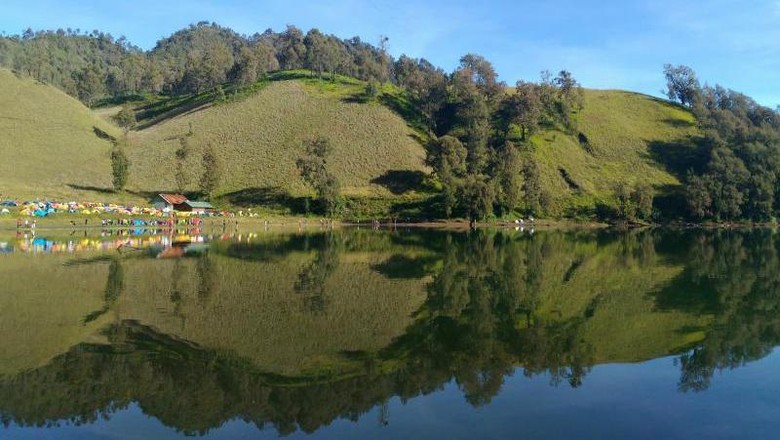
x: 294, y: 331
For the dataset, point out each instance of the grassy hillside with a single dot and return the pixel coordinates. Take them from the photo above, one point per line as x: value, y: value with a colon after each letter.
x: 626, y: 137
x: 49, y: 146
x: 258, y: 133
x: 260, y: 137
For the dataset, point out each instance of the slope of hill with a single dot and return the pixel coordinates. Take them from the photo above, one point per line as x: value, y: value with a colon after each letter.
x: 53, y: 149
x: 260, y: 137
x: 49, y: 144
x: 623, y: 137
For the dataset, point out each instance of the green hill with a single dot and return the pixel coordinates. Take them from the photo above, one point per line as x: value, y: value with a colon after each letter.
x: 260, y: 137
x: 50, y: 145
x: 54, y: 148
x: 622, y: 137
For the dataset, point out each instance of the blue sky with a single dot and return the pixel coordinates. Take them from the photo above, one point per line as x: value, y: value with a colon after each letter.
x: 606, y: 44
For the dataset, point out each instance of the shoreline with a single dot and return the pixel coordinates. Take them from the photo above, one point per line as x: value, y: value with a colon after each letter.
x: 62, y: 223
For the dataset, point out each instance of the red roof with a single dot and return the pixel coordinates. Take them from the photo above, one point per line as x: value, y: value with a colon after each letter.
x: 174, y: 199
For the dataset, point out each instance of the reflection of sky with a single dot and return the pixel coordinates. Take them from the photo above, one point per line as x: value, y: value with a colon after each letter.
x: 636, y: 401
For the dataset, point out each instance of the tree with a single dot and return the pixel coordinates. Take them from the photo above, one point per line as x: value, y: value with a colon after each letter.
x: 681, y: 84
x: 313, y: 167
x: 483, y: 75
x: 317, y: 52
x: 120, y: 166
x: 522, y: 108
x: 126, y: 118
x: 212, y: 172
x: 447, y: 156
x: 290, y: 48
x: 642, y: 199
x: 569, y: 89
x: 182, y: 154
x: 625, y: 204
x: 246, y: 68
x: 472, y: 119
x: 479, y: 195
x: 89, y: 85
x: 532, y: 187
x: 570, y: 98
x: 698, y: 195
x: 509, y: 178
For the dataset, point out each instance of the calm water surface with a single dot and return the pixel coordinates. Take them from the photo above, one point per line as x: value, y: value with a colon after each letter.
x: 390, y: 334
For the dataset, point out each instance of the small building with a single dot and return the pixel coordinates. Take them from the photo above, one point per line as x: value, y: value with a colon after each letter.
x: 170, y: 202
x: 197, y: 207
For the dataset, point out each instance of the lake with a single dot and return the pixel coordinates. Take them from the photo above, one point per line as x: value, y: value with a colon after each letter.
x: 361, y: 333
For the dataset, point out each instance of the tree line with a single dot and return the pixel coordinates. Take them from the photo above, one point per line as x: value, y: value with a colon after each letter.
x: 735, y: 174
x: 96, y: 65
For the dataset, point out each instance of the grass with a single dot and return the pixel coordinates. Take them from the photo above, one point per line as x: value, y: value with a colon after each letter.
x: 49, y: 146
x: 628, y: 138
x: 259, y: 137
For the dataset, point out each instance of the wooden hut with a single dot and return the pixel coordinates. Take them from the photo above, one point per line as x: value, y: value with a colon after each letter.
x: 170, y: 202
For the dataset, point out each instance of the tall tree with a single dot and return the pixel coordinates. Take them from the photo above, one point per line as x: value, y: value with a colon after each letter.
x: 522, y: 108
x: 313, y: 166
x: 212, y: 172
x: 509, y: 178
x: 182, y: 154
x: 532, y: 187
x: 447, y: 156
x: 120, y: 165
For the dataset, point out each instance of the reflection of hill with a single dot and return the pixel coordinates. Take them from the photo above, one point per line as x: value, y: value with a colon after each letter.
x: 252, y: 309
x: 42, y: 308
x: 607, y: 283
x: 189, y: 388
x: 296, y: 331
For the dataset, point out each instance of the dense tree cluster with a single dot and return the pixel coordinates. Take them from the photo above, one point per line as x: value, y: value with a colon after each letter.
x: 481, y: 154
x: 196, y: 59
x: 741, y: 141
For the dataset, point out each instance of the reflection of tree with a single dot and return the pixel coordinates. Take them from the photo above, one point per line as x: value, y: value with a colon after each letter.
x: 207, y: 278
x: 735, y: 277
x: 311, y: 280
x: 115, y: 284
x: 184, y: 386
x: 480, y: 317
